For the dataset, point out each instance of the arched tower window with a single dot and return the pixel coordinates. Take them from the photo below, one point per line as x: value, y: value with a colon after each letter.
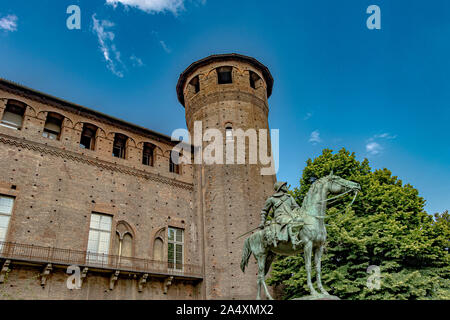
x: 13, y: 115
x: 52, y: 128
x: 224, y: 75
x: 229, y: 132
x: 195, y: 83
x: 254, y: 80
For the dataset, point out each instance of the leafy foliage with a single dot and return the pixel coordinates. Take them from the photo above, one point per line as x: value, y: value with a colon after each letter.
x: 386, y: 227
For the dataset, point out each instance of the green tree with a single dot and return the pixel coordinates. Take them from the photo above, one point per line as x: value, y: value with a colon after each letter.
x: 387, y: 226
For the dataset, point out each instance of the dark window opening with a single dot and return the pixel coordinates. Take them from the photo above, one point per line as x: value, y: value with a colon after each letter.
x: 147, y: 155
x: 119, y: 147
x: 195, y: 82
x: 13, y: 115
x: 229, y: 132
x: 52, y: 128
x: 224, y: 75
x: 173, y: 167
x: 254, y: 78
x: 88, y: 134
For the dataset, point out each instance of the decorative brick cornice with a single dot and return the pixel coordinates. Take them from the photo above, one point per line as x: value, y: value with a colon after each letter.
x: 37, y: 96
x: 73, y: 156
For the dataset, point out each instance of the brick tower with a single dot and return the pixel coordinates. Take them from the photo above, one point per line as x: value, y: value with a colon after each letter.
x: 227, y: 92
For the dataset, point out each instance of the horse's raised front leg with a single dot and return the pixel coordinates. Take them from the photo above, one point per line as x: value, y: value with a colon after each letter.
x: 308, y: 252
x: 317, y: 261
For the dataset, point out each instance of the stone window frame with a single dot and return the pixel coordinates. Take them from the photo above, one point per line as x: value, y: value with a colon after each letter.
x: 128, y: 230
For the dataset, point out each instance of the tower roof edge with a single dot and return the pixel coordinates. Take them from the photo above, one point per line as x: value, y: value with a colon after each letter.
x: 223, y: 57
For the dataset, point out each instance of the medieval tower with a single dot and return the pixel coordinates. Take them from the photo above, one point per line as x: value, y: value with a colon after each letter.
x: 228, y: 92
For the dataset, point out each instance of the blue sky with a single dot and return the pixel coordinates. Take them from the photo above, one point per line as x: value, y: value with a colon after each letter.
x: 383, y: 94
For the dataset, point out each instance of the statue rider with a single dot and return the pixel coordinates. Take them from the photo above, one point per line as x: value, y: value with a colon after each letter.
x: 282, y: 204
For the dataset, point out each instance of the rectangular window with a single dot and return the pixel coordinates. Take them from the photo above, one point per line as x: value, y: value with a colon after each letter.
x: 224, y: 75
x: 52, y: 128
x: 119, y: 146
x: 173, y: 167
x: 6, y: 206
x: 13, y: 117
x: 175, y: 245
x: 88, y: 137
x: 147, y: 155
x: 99, y: 238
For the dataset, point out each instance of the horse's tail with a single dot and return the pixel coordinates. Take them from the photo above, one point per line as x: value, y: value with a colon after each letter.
x: 246, y: 253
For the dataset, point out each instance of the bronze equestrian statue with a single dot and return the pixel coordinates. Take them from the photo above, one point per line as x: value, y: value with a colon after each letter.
x: 292, y: 225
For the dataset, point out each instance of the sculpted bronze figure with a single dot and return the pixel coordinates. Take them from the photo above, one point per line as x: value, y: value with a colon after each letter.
x: 293, y: 225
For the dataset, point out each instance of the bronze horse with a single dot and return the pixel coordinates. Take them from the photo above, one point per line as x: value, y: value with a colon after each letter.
x: 308, y: 221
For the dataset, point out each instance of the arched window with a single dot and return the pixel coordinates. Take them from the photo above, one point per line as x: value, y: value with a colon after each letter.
x: 174, y: 167
x: 119, y: 147
x: 123, y: 241
x: 254, y: 80
x: 195, y: 83
x: 158, y: 249
x: 148, y: 154
x: 13, y: 115
x: 53, y: 124
x: 87, y: 140
x: 229, y: 132
x: 224, y: 75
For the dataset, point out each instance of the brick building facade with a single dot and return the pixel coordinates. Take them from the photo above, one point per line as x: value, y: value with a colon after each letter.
x: 78, y: 187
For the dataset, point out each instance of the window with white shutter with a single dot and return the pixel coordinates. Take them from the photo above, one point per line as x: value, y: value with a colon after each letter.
x: 6, y: 206
x: 175, y: 246
x: 99, y: 237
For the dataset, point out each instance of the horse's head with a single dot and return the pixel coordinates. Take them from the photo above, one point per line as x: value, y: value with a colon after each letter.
x: 337, y: 184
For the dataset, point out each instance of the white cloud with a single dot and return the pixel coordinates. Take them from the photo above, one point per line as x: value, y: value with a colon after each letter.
x: 384, y: 136
x: 315, y: 137
x: 164, y: 46
x: 9, y: 23
x: 107, y: 46
x: 137, y: 62
x: 151, y: 6
x: 307, y: 116
x: 373, y: 148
